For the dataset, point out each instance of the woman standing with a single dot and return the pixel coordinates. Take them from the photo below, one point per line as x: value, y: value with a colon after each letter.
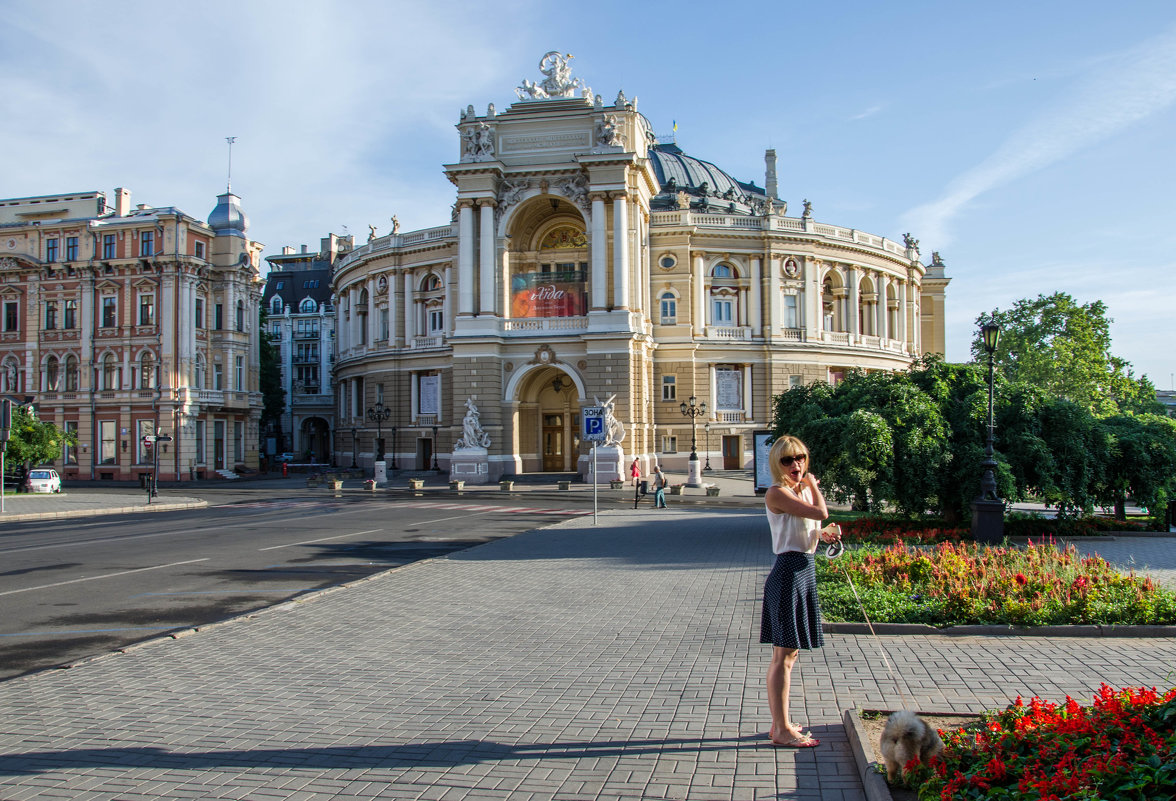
x: 791, y: 617
x: 634, y: 471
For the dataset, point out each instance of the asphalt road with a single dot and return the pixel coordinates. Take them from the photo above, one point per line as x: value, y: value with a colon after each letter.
x: 78, y: 588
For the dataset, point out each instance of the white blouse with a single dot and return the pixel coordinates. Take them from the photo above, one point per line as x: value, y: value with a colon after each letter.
x: 793, y: 533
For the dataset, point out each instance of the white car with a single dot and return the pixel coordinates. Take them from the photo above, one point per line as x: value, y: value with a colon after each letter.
x: 43, y: 481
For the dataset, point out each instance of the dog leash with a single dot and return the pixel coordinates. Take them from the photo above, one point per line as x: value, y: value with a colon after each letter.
x: 834, y: 550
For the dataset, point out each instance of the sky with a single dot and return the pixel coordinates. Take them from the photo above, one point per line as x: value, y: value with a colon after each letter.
x: 1033, y: 144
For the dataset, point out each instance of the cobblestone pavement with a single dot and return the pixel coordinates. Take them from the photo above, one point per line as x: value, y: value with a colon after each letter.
x: 575, y: 662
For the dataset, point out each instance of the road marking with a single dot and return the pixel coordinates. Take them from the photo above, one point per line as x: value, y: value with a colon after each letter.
x: 108, y: 575
x: 490, y: 508
x: 321, y: 539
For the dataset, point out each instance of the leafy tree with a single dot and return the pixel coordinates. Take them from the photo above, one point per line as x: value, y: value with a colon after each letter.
x: 1064, y: 348
x: 273, y: 398
x: 32, y: 442
x: 1141, y: 461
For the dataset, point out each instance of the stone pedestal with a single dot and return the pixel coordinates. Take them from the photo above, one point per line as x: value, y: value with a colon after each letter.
x: 694, y: 473
x: 471, y: 465
x: 381, y: 474
x: 988, y: 521
x: 610, y: 464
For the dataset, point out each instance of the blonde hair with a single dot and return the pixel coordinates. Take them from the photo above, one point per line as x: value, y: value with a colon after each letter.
x: 785, y: 446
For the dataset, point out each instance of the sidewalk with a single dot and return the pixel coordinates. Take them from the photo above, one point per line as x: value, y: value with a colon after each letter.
x: 575, y: 662
x: 79, y: 503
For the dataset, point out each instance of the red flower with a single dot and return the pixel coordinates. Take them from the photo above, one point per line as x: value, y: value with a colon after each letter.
x: 1020, y: 579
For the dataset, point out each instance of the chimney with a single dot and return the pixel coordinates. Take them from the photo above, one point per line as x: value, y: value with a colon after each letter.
x: 770, y: 173
x: 287, y: 250
x: 304, y: 248
x: 122, y: 202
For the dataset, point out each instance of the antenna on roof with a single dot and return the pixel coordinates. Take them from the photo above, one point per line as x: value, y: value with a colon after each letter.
x: 229, y: 184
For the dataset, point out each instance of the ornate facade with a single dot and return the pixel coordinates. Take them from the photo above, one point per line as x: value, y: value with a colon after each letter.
x: 587, y: 259
x: 121, y: 322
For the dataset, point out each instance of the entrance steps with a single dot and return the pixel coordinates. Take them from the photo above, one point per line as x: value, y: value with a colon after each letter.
x: 227, y: 474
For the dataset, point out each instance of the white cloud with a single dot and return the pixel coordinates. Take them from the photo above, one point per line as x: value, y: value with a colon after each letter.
x: 1128, y: 87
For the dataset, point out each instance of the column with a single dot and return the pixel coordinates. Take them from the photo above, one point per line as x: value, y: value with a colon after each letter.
x: 486, y: 257
x: 747, y: 398
x: 448, y: 307
x: 373, y: 316
x: 392, y: 304
x: 755, y: 298
x: 410, y: 308
x: 902, y: 313
x: 880, y: 307
x: 699, y: 289
x: 852, y: 299
x: 341, y: 339
x: 621, y: 277
x: 465, y: 261
x: 599, y: 254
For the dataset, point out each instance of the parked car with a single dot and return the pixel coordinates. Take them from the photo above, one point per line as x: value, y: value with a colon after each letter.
x: 284, y: 457
x: 43, y: 481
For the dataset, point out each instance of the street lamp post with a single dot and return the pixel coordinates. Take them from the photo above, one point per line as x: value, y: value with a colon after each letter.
x: 436, y: 466
x: 988, y: 508
x: 393, y: 447
x: 693, y: 410
x: 378, y: 414
x: 353, y: 448
x: 706, y: 428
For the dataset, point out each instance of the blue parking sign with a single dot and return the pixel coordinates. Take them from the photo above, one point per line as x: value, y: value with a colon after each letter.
x: 593, y: 417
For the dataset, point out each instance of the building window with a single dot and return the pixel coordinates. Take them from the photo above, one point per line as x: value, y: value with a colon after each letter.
x: 308, y: 306
x: 69, y: 453
x: 669, y: 444
x: 384, y: 324
x: 52, y: 367
x: 199, y: 442
x: 71, y: 253
x: 109, y: 247
x: 722, y: 271
x: 108, y: 448
x: 51, y: 249
x: 198, y: 371
x: 240, y: 315
x: 669, y: 308
x: 219, y: 317
x: 239, y: 374
x: 238, y: 441
x: 146, y: 309
x: 199, y: 312
x: 71, y: 314
x: 218, y: 377
x: 669, y: 387
x: 11, y: 316
x: 146, y: 371
x: 50, y: 315
x: 276, y: 305
x: 310, y: 284
x: 71, y: 374
x: 790, y: 318
x: 199, y: 250
x: 723, y: 312
x: 795, y: 381
x: 109, y: 312
x: 109, y: 372
x: 147, y: 243
x: 143, y: 454
x: 436, y: 321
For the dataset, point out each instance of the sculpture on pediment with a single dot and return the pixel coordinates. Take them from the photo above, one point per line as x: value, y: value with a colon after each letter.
x: 621, y: 100
x: 372, y: 232
x: 683, y: 200
x: 557, y: 81
x: 910, y: 242
x: 395, y: 225
x: 808, y: 209
x: 936, y: 261
x: 608, y: 132
x: 472, y: 435
x: 477, y: 143
x: 511, y: 192
x: 614, y: 432
x: 575, y: 189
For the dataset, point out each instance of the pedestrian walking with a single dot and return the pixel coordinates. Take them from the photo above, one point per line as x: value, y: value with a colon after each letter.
x: 791, y: 617
x: 635, y: 471
x: 659, y: 488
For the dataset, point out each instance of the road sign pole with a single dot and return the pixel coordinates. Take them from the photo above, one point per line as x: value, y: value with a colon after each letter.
x: 595, y: 484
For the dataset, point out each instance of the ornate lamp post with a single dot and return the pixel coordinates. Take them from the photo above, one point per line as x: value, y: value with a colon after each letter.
x: 353, y: 433
x: 436, y: 466
x: 706, y: 428
x: 693, y: 410
x: 393, y: 447
x: 988, y: 508
x: 378, y: 414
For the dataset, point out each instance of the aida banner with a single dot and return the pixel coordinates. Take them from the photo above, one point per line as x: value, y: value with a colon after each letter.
x: 537, y: 295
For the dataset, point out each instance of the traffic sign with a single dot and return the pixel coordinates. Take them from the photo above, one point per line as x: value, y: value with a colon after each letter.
x: 593, y: 417
x: 163, y: 438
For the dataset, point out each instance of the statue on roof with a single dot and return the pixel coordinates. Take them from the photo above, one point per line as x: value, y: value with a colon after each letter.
x: 557, y: 81
x: 372, y: 234
x: 395, y: 225
x: 808, y: 209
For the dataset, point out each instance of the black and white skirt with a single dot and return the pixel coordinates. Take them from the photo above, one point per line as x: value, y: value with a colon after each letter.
x: 791, y: 615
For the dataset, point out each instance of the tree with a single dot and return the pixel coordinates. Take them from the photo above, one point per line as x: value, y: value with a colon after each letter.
x: 32, y: 442
x: 1064, y: 348
x: 273, y: 398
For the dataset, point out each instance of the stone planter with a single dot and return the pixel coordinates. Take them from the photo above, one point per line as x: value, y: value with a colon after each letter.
x: 506, y: 486
x: 457, y: 485
x: 712, y: 492
x: 370, y: 485
x: 335, y: 484
x: 565, y: 485
x: 675, y: 489
x: 416, y: 483
x: 617, y: 484
x: 312, y: 481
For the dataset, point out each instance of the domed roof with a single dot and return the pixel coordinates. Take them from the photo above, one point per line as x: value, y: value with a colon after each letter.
x: 227, y: 217
x: 709, y: 187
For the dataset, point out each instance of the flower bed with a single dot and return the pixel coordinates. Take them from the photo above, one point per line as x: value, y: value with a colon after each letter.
x: 1123, y: 746
x: 952, y: 584
x: 885, y: 530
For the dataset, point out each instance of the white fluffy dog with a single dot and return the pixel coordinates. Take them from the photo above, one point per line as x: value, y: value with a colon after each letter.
x: 905, y: 737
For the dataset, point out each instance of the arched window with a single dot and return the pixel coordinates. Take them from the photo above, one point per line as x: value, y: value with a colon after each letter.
x: 198, y: 371
x: 146, y: 371
x: 276, y: 305
x: 52, y: 368
x: 308, y: 306
x: 71, y: 373
x: 723, y: 271
x: 431, y: 283
x: 109, y: 372
x: 240, y: 315
x: 669, y: 308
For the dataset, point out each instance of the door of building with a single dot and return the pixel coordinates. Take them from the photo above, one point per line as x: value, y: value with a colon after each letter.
x: 732, y: 452
x: 218, y: 444
x: 424, y: 458
x: 553, y: 443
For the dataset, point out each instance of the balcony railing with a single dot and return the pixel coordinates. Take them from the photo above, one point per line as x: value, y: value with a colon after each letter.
x: 541, y: 324
x: 739, y: 332
x: 730, y: 416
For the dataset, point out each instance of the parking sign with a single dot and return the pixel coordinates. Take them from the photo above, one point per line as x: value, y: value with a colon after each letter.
x: 593, y: 417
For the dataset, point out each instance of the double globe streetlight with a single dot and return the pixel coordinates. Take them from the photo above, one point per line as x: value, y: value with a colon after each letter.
x: 693, y: 410
x: 988, y: 508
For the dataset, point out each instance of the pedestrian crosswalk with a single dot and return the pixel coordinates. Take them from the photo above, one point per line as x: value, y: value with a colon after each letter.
x: 473, y: 507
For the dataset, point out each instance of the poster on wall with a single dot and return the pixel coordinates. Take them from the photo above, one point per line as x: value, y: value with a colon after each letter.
x: 763, y: 474
x: 430, y: 401
x: 559, y: 294
x: 728, y: 389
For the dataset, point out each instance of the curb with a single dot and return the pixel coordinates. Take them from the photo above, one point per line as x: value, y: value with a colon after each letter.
x: 916, y: 629
x: 101, y: 511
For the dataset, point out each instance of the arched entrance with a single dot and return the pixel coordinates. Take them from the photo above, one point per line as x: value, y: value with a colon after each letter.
x: 548, y: 422
x: 315, y: 437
